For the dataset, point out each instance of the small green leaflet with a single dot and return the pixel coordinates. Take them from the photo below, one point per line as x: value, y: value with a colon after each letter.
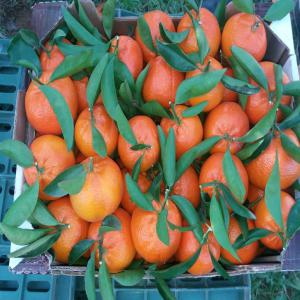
x: 140, y: 83
x: 137, y: 168
x: 253, y: 236
x: 169, y: 159
x: 78, y: 250
x: 172, y: 37
x: 73, y: 186
x: 246, y: 6
x: 194, y: 110
x: 239, y: 86
x: 155, y: 109
x: 279, y: 10
x: 145, y: 33
x: 42, y: 216
x: 110, y: 223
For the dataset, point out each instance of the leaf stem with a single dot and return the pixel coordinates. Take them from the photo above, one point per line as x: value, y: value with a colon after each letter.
x: 176, y: 118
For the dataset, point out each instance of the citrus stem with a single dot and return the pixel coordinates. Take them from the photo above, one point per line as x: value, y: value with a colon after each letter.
x: 176, y: 118
x: 255, y: 26
x: 40, y: 170
x: 90, y: 166
x: 167, y: 192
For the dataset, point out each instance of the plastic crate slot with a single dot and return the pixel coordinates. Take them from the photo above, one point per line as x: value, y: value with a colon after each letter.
x: 38, y: 286
x: 6, y: 107
x: 9, y: 285
x: 8, y: 70
x: 11, y: 190
x: 13, y: 169
x: 7, y: 88
x: 4, y: 127
x: 2, y: 169
x: 3, y: 260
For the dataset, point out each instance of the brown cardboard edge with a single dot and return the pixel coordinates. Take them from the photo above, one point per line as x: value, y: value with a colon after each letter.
x: 26, y: 266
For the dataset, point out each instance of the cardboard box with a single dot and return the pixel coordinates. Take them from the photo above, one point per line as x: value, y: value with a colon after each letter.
x: 45, y: 19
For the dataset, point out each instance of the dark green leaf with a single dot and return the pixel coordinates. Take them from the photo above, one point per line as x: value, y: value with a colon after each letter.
x: 190, y: 214
x: 62, y: 112
x: 53, y: 189
x: 251, y: 66
x: 123, y: 74
x: 154, y: 189
x: 162, y: 227
x: 105, y: 282
x: 243, y: 224
x: 164, y: 289
x: 18, y: 152
x: 293, y: 221
x: 286, y: 110
x: 279, y: 10
x: 42, y: 216
x: 30, y: 38
x: 139, y: 147
x: 220, y: 12
x: 162, y: 140
x: 253, y: 236
x: 145, y: 33
x: 20, y: 236
x: 198, y: 85
x: 191, y: 4
x: 110, y: 223
x: 136, y: 194
x: 129, y: 277
x: 140, y: 83
x: 194, y: 110
x: 290, y: 147
x: 180, y: 228
x: 239, y: 86
x: 99, y: 144
x: 292, y: 88
x: 218, y: 267
x: 169, y: 159
x: 155, y: 109
x: 292, y: 120
x: 273, y: 194
x: 225, y: 211
x: 23, y: 206
x: 248, y: 150
x: 73, y: 186
x: 219, y: 228
x: 93, y: 85
x: 78, y: 250
x: 246, y: 6
x: 38, y: 247
x: 175, y: 57
x: 233, y: 177
x: 89, y: 278
x: 137, y: 168
x: 172, y: 37
x: 108, y: 16
x: 188, y: 157
x: 278, y: 80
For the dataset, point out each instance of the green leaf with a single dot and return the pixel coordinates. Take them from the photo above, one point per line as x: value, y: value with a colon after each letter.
x: 292, y: 88
x: 162, y: 227
x: 53, y: 189
x: 73, y: 186
x: 145, y: 33
x: 20, y: 53
x: 290, y: 147
x: 180, y: 228
x: 218, y: 267
x: 89, y: 278
x: 279, y: 10
x: 190, y: 214
x: 30, y: 38
x: 154, y: 189
x: 123, y: 74
x: 194, y: 110
x: 175, y: 57
x: 129, y: 277
x: 38, y: 247
x: 110, y: 223
x: 239, y: 86
x: 99, y: 144
x: 278, y: 80
x: 162, y: 140
x: 243, y: 224
x: 23, y: 206
x: 62, y: 112
x: 261, y: 128
x: 251, y: 66
x: 155, y: 109
x: 136, y: 194
x: 177, y: 270
x: 199, y: 150
x: 72, y: 64
x: 108, y: 16
x: 139, y: 147
x: 253, y: 236
x: 224, y: 208
x: 78, y: 250
x: 198, y: 85
x: 93, y: 85
x: 172, y: 37
x: 273, y: 194
x: 78, y: 31
x: 293, y: 221
x: 246, y: 6
x: 18, y: 152
x: 219, y: 228
x: 191, y: 4
x: 233, y: 177
x: 105, y: 282
x: 292, y: 120
x: 248, y: 150
x: 220, y: 12
x: 42, y: 216
x: 137, y: 168
x: 140, y: 83
x: 169, y: 159
x: 20, y: 236
x: 163, y: 289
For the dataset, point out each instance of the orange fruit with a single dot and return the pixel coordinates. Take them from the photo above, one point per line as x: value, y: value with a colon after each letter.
x: 118, y: 245
x: 245, y: 31
x: 258, y: 105
x: 145, y: 238
x: 81, y: 86
x: 76, y: 231
x: 102, y: 191
x: 212, y: 170
x: 265, y: 220
x: 229, y: 95
x: 210, y: 26
x: 146, y: 133
x: 144, y: 184
x: 153, y: 19
x: 189, y: 245
x: 187, y: 186
x: 260, y: 168
x: 52, y: 157
x: 39, y: 113
x: 161, y: 82
x: 228, y: 118
x: 188, y: 133
x: 247, y: 253
x: 213, y: 97
x: 105, y: 125
x: 254, y: 196
x: 129, y: 52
